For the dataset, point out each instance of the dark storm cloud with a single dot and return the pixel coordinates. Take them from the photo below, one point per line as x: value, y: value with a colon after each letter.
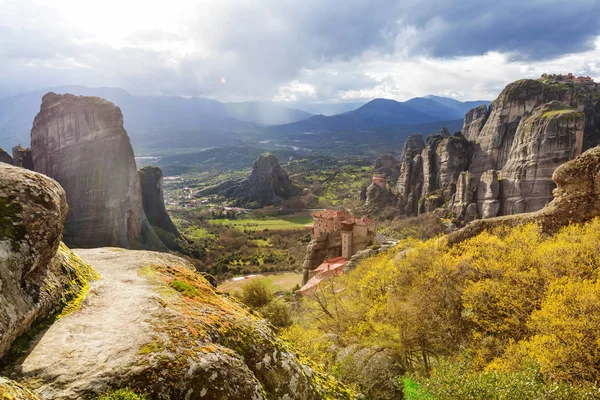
x: 531, y: 30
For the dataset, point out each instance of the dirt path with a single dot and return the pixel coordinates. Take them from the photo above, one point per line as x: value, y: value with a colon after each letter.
x: 80, y: 350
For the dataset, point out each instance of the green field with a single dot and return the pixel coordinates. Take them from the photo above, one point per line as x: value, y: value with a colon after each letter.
x: 271, y: 223
x: 283, y: 281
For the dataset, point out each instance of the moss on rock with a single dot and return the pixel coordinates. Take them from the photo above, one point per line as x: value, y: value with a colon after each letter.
x: 10, y: 390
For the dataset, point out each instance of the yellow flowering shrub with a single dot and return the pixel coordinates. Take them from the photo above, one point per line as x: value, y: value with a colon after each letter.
x: 507, y: 296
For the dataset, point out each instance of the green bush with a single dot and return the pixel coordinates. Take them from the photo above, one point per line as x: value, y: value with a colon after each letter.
x: 278, y: 313
x: 256, y: 293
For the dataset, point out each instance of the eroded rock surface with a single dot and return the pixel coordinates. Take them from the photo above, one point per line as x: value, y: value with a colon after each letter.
x: 267, y: 184
x: 576, y: 200
x: 428, y: 181
x: 154, y: 324
x: 38, y: 275
x: 153, y: 201
x: 80, y: 141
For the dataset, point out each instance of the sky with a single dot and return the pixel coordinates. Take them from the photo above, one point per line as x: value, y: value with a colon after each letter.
x: 295, y: 51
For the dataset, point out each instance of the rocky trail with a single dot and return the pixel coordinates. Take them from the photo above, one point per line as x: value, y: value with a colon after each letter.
x: 80, y: 351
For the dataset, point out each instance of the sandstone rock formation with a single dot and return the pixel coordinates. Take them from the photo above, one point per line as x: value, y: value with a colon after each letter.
x: 80, y: 142
x: 22, y: 157
x: 155, y: 325
x: 5, y: 157
x: 428, y: 179
x: 153, y: 201
x: 503, y: 161
x: 38, y: 275
x: 267, y: 184
x: 576, y: 200
x: 387, y: 167
x: 551, y: 136
x: 410, y: 182
x: 474, y: 121
x: 532, y: 128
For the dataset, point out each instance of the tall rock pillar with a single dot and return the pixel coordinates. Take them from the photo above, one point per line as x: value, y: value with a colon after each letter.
x: 81, y: 143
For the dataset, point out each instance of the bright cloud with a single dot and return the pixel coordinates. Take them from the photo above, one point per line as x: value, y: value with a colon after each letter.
x: 285, y: 50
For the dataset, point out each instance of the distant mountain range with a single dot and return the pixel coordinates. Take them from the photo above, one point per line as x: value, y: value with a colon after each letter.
x: 163, y: 124
x: 381, y: 113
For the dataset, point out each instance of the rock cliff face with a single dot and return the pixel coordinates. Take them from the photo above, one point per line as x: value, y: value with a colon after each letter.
x: 38, y: 275
x: 155, y: 325
x: 267, y: 184
x: 80, y: 142
x: 503, y: 161
x: 475, y: 119
x: 428, y: 179
x: 551, y: 136
x: 388, y: 167
x: 153, y: 201
x: 576, y: 200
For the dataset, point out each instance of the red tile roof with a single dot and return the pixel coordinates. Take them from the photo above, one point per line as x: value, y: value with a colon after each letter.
x: 311, y: 285
x: 332, y: 264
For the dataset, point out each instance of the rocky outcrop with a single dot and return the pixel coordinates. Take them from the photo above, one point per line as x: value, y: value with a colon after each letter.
x: 551, y: 136
x: 267, y: 184
x: 533, y: 127
x: 503, y: 161
x: 5, y: 157
x: 80, y: 142
x: 410, y: 182
x: 428, y: 180
x: 387, y: 167
x: 327, y: 245
x: 153, y: 201
x: 22, y: 157
x: 576, y: 200
x: 474, y: 121
x: 375, y: 369
x: 377, y: 195
x: 156, y: 326
x: 38, y: 275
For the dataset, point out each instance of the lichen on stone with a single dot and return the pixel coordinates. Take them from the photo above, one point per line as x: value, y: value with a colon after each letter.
x: 10, y: 390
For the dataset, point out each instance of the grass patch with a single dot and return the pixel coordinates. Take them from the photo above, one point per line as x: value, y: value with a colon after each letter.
x: 185, y: 288
x: 277, y: 282
x: 198, y: 233
x: 565, y: 113
x: 414, y: 391
x: 249, y: 224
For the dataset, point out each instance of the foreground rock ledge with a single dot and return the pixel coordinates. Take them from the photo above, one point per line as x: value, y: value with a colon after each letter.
x: 154, y: 324
x: 38, y: 275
